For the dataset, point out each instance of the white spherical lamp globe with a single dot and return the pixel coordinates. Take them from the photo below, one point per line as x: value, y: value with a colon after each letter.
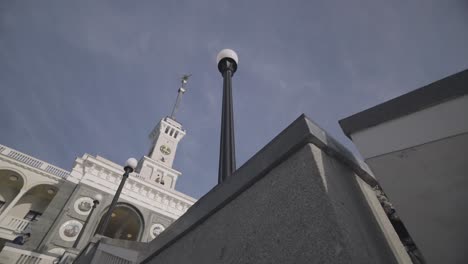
x: 132, y: 163
x: 98, y: 197
x: 227, y: 53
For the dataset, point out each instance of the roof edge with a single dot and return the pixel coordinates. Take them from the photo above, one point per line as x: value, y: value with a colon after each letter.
x: 445, y: 89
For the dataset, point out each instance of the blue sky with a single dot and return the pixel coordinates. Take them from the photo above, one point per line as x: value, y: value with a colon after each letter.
x: 95, y: 76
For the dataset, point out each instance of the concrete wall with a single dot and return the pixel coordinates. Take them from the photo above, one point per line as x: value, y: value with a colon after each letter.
x: 443, y: 120
x: 295, y: 214
x: 428, y: 184
x: 421, y: 162
x: 293, y: 202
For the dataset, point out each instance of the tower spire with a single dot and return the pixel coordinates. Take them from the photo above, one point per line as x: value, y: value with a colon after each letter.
x: 181, y: 91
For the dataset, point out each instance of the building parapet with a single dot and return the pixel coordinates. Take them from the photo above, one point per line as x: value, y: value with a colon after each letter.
x: 14, y: 224
x: 32, y: 162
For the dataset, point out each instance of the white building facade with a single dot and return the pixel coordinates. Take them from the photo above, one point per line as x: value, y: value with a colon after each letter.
x: 53, y: 204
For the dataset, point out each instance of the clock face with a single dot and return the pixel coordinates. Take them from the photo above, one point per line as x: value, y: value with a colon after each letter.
x: 165, y: 150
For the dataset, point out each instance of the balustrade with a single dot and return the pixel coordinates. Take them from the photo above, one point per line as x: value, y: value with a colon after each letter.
x: 33, y: 162
x: 15, y: 224
x: 18, y: 255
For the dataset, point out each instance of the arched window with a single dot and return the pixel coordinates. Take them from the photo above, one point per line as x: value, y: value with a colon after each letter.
x: 126, y: 223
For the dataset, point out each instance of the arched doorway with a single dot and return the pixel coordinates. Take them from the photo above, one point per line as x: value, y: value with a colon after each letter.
x: 126, y: 223
x: 10, y: 185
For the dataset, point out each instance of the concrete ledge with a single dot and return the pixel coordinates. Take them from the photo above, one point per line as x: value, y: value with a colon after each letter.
x: 300, y: 133
x: 448, y: 88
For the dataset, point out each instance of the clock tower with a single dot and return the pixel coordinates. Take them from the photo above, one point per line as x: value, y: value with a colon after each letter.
x: 156, y: 167
x: 165, y: 137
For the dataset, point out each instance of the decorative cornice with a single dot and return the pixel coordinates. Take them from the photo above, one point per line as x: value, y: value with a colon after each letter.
x: 106, y: 178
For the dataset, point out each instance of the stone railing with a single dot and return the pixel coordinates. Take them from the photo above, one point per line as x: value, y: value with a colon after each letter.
x: 33, y: 162
x: 14, y: 223
x: 12, y: 254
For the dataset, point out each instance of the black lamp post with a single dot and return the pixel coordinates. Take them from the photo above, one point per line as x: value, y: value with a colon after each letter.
x: 227, y: 65
x: 97, y: 199
x: 130, y: 166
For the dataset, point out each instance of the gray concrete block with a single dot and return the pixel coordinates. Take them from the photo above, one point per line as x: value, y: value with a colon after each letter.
x: 296, y: 201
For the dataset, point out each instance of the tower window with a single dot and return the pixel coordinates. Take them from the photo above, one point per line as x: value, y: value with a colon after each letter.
x: 176, y: 134
x: 172, y: 132
x: 167, y: 130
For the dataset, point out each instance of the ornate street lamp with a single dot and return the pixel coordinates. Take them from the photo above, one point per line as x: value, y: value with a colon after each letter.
x: 97, y: 199
x: 130, y: 166
x: 227, y: 64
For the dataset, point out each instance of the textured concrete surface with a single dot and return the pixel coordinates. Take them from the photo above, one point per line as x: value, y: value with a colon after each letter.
x: 303, y: 211
x: 416, y: 146
x: 428, y: 184
x: 296, y: 201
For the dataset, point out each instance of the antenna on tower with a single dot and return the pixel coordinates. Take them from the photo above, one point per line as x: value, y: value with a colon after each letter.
x: 181, y: 91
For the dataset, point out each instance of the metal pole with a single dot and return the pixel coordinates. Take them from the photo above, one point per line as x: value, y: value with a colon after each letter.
x: 227, y: 152
x: 108, y: 215
x: 181, y: 91
x: 95, y: 203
